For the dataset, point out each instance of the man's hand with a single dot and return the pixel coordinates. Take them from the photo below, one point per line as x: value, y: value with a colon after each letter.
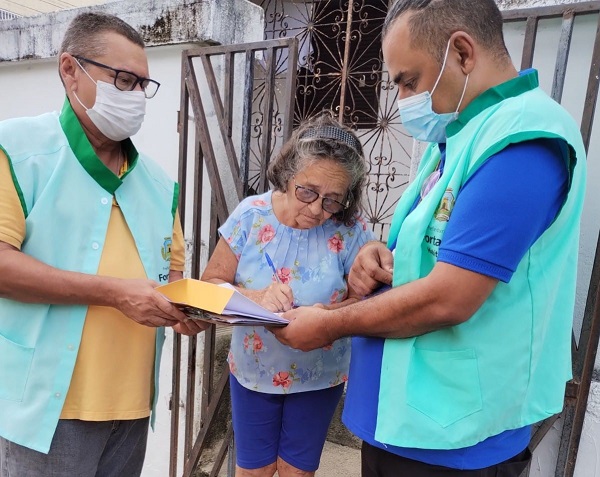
x: 190, y: 327
x: 140, y: 302
x: 307, y: 329
x: 372, y: 268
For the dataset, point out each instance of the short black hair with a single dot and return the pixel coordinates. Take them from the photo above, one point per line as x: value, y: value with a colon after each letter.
x: 434, y: 21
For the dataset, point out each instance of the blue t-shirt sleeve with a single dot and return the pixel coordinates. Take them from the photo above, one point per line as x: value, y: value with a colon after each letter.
x: 505, y: 207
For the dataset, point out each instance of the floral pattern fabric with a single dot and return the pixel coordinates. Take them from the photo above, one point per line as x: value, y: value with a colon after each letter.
x: 314, y: 263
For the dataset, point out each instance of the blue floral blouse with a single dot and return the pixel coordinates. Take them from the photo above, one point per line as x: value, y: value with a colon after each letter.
x: 314, y: 263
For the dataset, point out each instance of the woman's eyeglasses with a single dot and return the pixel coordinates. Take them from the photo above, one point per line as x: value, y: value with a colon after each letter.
x: 126, y: 80
x: 308, y: 196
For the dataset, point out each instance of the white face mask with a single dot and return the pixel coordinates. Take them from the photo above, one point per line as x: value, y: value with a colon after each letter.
x: 117, y: 114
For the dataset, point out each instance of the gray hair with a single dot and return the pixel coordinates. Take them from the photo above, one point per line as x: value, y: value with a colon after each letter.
x: 434, y: 21
x: 84, y: 34
x: 313, y: 141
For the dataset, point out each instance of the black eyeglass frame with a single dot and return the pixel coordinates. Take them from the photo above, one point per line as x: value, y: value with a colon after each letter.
x: 324, y: 200
x: 138, y: 79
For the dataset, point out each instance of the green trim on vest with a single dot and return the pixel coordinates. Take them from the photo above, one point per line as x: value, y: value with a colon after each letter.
x: 493, y: 96
x: 15, y: 182
x: 175, y: 200
x: 41, y: 356
x: 86, y: 155
x: 132, y: 157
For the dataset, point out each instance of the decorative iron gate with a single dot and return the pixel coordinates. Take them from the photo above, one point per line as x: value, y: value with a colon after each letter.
x: 339, y: 68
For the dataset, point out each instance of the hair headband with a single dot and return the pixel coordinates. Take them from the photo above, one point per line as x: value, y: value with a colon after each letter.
x: 332, y: 132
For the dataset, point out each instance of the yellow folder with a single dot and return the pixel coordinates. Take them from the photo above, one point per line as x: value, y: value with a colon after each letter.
x: 220, y: 304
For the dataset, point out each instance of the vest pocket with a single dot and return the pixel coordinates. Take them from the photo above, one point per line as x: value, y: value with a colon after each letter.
x: 444, y: 385
x: 14, y: 372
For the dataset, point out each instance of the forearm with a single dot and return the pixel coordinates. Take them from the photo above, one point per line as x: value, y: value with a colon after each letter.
x: 26, y: 279
x: 398, y: 313
x: 447, y: 297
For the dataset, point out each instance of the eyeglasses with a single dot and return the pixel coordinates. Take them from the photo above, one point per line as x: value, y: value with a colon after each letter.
x: 308, y: 196
x: 127, y: 81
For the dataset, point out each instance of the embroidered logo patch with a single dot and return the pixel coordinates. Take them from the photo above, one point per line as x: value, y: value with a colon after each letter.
x: 444, y: 210
x: 165, y: 250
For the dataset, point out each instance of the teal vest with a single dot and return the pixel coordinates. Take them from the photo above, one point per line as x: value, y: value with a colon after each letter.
x: 505, y: 367
x: 66, y: 193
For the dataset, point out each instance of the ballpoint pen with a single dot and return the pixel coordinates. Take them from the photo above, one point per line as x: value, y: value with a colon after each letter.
x: 270, y: 262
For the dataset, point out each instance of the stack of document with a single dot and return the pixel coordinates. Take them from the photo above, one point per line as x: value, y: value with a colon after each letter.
x: 221, y: 304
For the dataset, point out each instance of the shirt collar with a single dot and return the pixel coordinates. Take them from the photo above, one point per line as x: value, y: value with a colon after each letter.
x: 87, y: 157
x: 526, y: 81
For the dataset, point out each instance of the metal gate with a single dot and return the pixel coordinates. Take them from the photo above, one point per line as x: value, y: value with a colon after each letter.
x: 326, y: 55
x: 220, y: 143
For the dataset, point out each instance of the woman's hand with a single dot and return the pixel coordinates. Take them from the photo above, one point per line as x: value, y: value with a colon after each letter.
x: 276, y: 297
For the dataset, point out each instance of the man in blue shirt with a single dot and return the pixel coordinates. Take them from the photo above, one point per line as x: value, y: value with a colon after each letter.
x: 471, y: 345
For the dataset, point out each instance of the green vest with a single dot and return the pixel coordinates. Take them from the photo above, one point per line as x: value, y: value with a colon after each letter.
x: 505, y: 367
x: 66, y: 194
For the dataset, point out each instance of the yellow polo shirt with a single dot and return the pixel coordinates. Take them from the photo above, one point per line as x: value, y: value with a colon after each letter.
x: 114, y: 372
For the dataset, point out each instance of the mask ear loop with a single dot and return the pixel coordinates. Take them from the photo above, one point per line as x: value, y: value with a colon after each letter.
x: 442, y: 70
x: 92, y: 79
x: 462, y: 96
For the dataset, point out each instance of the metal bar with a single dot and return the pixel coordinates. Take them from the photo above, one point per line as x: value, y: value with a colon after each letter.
x: 213, y: 408
x: 203, y: 137
x: 174, y: 405
x: 290, y: 85
x: 238, y: 48
x: 268, y: 124
x: 231, y: 456
x: 551, y: 11
x: 183, y: 130
x: 195, y: 272
x: 529, y: 43
x: 247, y: 120
x: 541, y: 431
x: 567, y: 417
x: 220, y: 457
x: 228, y: 93
x: 190, y: 394
x: 591, y: 95
x: 344, y: 72
x: 221, y: 119
x: 584, y: 363
x: 562, y: 56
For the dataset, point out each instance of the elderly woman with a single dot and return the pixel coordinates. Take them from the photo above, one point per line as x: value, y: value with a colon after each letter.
x: 292, y: 246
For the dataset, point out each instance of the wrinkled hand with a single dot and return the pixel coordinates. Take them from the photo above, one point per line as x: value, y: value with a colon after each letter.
x: 190, y: 327
x: 277, y: 297
x: 372, y: 267
x: 307, y: 329
x: 140, y: 302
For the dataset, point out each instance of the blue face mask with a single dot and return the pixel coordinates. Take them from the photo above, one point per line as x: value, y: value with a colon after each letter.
x: 419, y: 118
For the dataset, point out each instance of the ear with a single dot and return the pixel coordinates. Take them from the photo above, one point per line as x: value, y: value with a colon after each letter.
x: 67, y: 68
x: 465, y: 47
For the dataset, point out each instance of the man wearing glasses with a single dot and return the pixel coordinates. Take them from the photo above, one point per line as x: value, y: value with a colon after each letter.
x: 88, y: 227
